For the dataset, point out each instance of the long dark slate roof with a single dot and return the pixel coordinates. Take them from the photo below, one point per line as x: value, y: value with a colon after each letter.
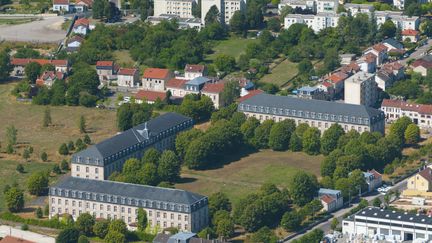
x: 132, y: 136
x: 311, y: 105
x: 373, y: 212
x: 120, y: 189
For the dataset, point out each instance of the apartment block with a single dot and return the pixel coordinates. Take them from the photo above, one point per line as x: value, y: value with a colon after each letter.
x: 401, y: 21
x: 226, y: 8
x: 181, y: 8
x: 317, y: 22
x: 418, y: 113
x: 361, y: 89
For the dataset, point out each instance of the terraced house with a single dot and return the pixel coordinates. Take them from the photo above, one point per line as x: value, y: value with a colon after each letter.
x: 315, y: 113
x: 100, y: 160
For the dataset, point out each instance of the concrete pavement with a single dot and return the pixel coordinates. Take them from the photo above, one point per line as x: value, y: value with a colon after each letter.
x: 418, y: 53
x: 26, y: 235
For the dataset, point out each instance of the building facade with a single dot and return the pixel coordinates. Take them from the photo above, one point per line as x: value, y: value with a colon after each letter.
x: 181, y: 8
x: 419, y: 114
x: 100, y: 160
x: 390, y: 225
x: 165, y: 207
x: 226, y: 8
x: 316, y: 113
x: 317, y: 22
x: 361, y: 89
x: 156, y: 78
x: 128, y: 77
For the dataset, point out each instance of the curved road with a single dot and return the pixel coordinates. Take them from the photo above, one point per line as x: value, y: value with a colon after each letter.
x: 45, y: 30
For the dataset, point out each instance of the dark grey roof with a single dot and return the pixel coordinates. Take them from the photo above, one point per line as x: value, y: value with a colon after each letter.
x: 373, y: 212
x: 127, y: 190
x: 132, y: 137
x: 393, y: 42
x: 311, y: 105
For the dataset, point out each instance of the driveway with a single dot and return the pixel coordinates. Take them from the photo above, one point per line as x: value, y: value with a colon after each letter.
x: 26, y: 235
x: 47, y: 30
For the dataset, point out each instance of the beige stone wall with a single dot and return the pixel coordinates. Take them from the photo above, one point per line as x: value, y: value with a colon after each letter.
x: 215, y: 97
x: 418, y: 183
x: 87, y: 171
x: 157, y: 218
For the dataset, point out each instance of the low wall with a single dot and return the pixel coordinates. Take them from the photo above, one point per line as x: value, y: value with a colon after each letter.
x: 26, y: 15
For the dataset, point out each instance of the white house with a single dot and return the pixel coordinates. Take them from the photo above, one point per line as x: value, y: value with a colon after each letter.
x: 128, y: 77
x: 81, y: 26
x: 316, y: 22
x: 331, y: 200
x: 419, y: 114
x: 181, y: 8
x: 192, y: 71
x: 61, y: 5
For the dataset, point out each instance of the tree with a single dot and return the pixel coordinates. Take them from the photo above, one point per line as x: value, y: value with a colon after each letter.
x: 291, y: 221
x: 20, y: 168
x: 169, y: 166
x: 5, y: 65
x: 37, y: 183
x: 344, y: 185
x: 254, y: 15
x: 118, y: 225
x: 225, y: 227
x: 412, y: 134
x: 71, y: 146
x: 142, y: 219
x: 56, y: 169
x: 388, y: 29
x: 328, y: 166
x: 238, y: 23
x: 149, y: 174
x: 83, y: 239
x: 11, y: 135
x: 212, y: 16
x: 399, y: 126
x: 32, y: 71
x: 219, y: 201
x: 311, y: 141
x: 330, y: 138
x: 44, y: 156
x: 87, y: 139
x: 230, y: 93
x: 305, y: 66
x: 285, y: 11
x: 39, y: 213
x: 68, y: 235
x: 295, y: 143
x: 248, y: 129
x: 82, y: 124
x: 225, y: 63
x: 280, y: 135
x: 85, y: 223
x: 264, y: 235
x: 183, y: 140
x: 26, y: 154
x: 331, y: 59
x: 115, y: 237
x: 100, y: 228
x: 47, y: 117
x: 376, y: 202
x: 262, y: 133
x: 152, y: 156
x: 14, y: 198
x: 63, y: 150
x: 46, y: 210
x: 303, y: 188
x: 334, y: 224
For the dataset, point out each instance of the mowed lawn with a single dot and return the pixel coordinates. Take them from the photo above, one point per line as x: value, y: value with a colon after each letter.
x: 233, y: 46
x: 27, y: 118
x: 283, y: 72
x: 244, y: 176
x: 9, y: 175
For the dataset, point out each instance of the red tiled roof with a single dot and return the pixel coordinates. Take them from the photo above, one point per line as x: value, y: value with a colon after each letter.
x: 194, y: 68
x: 427, y: 174
x: 61, y: 2
x: 327, y: 199
x: 157, y: 73
x: 25, y: 61
x: 176, y: 83
x: 410, y: 32
x: 380, y: 47
x: 150, y: 95
x: 352, y: 67
x: 337, y: 77
x: 422, y: 62
x: 250, y: 95
x: 375, y: 173
x: 213, y: 88
x: 89, y: 3
x: 11, y: 239
x: 370, y: 57
x: 403, y: 105
x: 327, y: 84
x: 127, y: 71
x: 392, y: 66
x: 104, y: 63
x: 82, y: 21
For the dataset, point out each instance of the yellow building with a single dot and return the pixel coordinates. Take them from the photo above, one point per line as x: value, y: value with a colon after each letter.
x: 420, y: 184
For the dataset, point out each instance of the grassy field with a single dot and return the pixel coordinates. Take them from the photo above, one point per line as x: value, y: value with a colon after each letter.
x: 233, y: 46
x: 123, y: 58
x: 9, y: 175
x: 16, y: 21
x: 243, y: 176
x: 280, y: 74
x: 27, y: 118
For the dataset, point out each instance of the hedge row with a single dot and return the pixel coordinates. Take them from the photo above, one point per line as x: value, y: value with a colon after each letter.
x: 51, y: 223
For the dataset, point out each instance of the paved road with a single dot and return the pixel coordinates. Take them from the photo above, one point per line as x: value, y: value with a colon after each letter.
x: 26, y: 235
x: 418, y: 53
x: 325, y: 226
x: 45, y: 30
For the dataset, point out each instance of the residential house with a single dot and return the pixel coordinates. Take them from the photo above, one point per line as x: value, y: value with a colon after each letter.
x: 61, y: 5
x: 392, y: 44
x: 195, y: 85
x: 337, y: 81
x: 150, y: 97
x: 48, y: 78
x: 192, y: 71
x: 213, y: 91
x: 420, y: 114
x: 316, y: 113
x: 367, y: 63
x: 420, y: 184
x: 361, y: 89
x: 20, y: 63
x: 346, y: 59
x: 389, y: 225
x: 106, y: 70
x: 379, y: 51
x: 355, y: 9
x: 331, y: 200
x: 373, y: 180
x: 86, y: 4
x: 388, y: 74
x: 327, y: 6
x: 73, y: 44
x: 81, y: 26
x: 410, y: 35
x: 128, y: 77
x: 176, y: 87
x: 422, y: 65
x: 155, y: 78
